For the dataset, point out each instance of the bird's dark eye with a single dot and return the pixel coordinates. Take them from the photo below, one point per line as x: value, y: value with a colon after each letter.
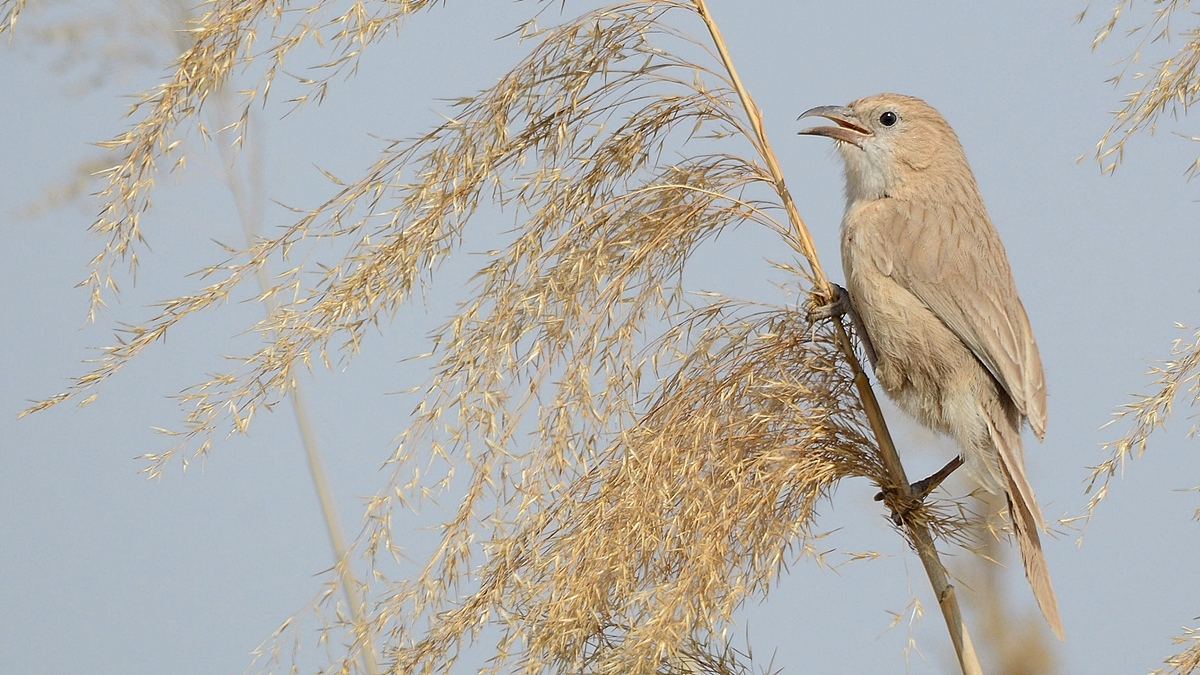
x: 888, y: 118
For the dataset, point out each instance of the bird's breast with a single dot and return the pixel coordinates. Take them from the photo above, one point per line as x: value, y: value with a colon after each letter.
x: 921, y: 364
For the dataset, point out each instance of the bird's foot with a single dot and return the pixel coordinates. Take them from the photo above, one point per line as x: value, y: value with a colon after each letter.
x: 835, y: 307
x: 917, y: 492
x: 822, y: 308
x: 900, y: 504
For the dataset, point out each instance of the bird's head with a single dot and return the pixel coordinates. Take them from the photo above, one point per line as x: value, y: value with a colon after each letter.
x: 892, y: 144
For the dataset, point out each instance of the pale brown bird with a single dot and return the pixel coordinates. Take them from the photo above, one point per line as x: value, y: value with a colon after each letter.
x: 931, y: 287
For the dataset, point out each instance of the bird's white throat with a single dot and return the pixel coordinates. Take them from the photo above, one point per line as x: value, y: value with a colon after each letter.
x: 869, y: 173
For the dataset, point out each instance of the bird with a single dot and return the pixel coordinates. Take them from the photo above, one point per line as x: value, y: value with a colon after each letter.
x: 929, y: 286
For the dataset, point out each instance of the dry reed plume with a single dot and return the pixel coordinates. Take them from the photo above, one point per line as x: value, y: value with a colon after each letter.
x: 1171, y: 86
x: 1171, y: 379
x: 630, y: 462
x: 1178, y: 376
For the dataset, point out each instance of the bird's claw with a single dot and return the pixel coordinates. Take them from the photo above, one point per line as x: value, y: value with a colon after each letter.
x: 917, y: 492
x: 900, y: 505
x: 837, y: 306
x: 907, y: 504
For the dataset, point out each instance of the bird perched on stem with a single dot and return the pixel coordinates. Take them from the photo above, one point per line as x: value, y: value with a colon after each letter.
x: 930, y: 287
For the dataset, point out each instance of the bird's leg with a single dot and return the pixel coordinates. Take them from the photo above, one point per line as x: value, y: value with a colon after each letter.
x: 921, y: 489
x: 839, y: 306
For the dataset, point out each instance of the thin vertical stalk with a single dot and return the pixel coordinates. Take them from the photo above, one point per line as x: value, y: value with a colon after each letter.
x: 249, y: 207
x: 919, y: 533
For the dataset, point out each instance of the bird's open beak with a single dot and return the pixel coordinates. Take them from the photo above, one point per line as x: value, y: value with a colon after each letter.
x: 848, y: 129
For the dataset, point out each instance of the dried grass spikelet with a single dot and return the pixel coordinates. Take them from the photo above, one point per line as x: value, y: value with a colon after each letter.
x: 223, y: 38
x: 10, y: 10
x: 1172, y: 85
x: 1172, y: 378
x: 90, y: 46
x: 220, y: 42
x: 1187, y: 661
x: 709, y: 657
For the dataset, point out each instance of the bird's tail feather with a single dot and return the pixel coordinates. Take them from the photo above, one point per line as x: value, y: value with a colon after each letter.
x: 1027, y: 520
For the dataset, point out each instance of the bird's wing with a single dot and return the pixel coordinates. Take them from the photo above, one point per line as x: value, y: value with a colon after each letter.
x: 953, y: 261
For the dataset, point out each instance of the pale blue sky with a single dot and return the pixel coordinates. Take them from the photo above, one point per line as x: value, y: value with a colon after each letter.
x: 103, y: 571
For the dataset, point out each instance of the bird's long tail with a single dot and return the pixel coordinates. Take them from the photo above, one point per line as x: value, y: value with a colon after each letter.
x: 1027, y: 520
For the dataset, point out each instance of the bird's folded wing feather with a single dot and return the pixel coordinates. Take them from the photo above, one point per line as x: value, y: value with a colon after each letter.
x: 957, y: 267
